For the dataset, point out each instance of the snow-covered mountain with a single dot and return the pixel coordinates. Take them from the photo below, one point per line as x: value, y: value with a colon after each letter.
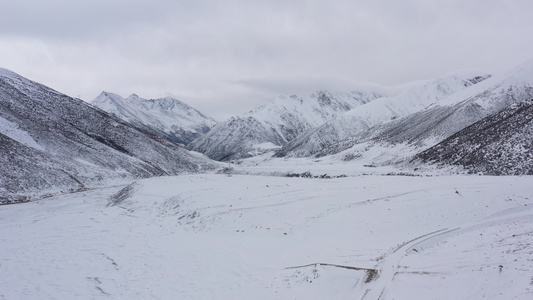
x: 364, y: 117
x: 276, y: 123
x: 401, y: 138
x: 500, y: 144
x: 180, y: 122
x: 53, y: 143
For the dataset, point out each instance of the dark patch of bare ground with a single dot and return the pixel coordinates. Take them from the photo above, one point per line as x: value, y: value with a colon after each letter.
x: 371, y: 274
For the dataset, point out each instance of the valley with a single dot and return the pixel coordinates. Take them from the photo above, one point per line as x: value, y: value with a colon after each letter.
x: 376, y: 193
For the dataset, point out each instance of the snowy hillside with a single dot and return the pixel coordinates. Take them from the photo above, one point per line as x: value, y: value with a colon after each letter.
x: 463, y: 108
x: 180, y: 122
x: 364, y: 117
x: 500, y: 144
x: 53, y: 143
x: 399, y: 139
x: 255, y: 237
x: 276, y: 123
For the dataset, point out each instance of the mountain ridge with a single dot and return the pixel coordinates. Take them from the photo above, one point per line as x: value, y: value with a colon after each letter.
x: 380, y: 111
x: 54, y: 143
x: 275, y: 123
x: 416, y: 132
x: 178, y: 121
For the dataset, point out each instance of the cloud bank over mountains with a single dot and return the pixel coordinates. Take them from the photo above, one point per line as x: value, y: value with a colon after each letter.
x: 226, y: 58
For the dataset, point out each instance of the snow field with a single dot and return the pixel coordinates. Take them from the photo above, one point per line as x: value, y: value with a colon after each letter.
x: 263, y: 237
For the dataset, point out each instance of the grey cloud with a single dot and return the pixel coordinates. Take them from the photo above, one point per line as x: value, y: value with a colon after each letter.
x: 64, y: 19
x: 228, y: 56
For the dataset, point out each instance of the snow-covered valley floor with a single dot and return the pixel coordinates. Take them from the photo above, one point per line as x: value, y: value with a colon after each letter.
x: 215, y: 236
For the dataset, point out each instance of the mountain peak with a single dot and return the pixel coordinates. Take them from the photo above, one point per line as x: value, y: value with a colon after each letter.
x: 133, y: 97
x: 276, y: 123
x: 177, y: 120
x: 361, y: 118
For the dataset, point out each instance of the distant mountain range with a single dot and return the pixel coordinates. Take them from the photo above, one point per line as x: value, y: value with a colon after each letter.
x: 176, y: 120
x: 53, y: 143
x: 386, y: 109
x: 399, y: 139
x: 276, y: 123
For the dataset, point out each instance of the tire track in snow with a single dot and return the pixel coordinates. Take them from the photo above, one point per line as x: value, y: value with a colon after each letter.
x: 390, y: 262
x: 373, y: 289
x: 350, y: 205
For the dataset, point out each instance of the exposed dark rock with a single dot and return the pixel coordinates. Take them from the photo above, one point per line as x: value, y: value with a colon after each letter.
x: 500, y: 144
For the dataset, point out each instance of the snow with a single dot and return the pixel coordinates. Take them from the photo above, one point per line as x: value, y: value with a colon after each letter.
x: 7, y: 73
x: 219, y: 236
x: 519, y: 77
x: 23, y: 84
x: 363, y: 118
x: 277, y: 122
x: 266, y: 146
x: 167, y: 114
x: 13, y: 131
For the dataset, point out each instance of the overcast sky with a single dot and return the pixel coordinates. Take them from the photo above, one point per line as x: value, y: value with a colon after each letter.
x: 226, y: 57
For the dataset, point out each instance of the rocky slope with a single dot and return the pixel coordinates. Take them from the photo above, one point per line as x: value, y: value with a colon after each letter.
x: 53, y: 143
x: 178, y: 121
x: 500, y: 144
